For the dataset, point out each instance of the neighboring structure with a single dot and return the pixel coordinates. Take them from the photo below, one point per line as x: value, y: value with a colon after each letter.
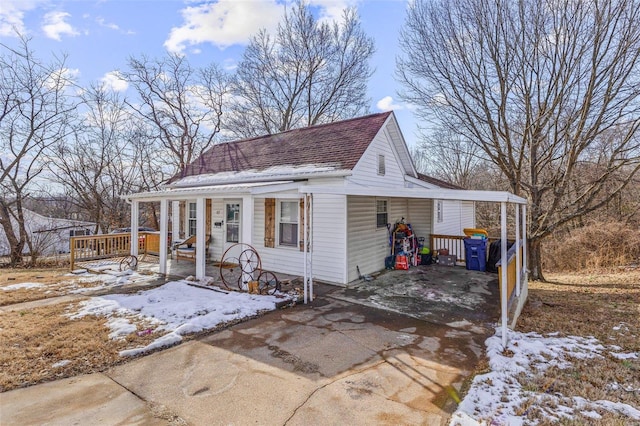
x: 49, y: 235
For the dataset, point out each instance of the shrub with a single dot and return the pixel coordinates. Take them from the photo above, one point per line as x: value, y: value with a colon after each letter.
x: 594, y: 247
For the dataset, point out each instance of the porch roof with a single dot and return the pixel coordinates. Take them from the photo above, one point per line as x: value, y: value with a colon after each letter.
x: 418, y: 192
x: 222, y: 190
x: 258, y: 188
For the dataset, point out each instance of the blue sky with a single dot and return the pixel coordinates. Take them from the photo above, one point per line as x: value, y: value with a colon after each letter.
x: 100, y: 35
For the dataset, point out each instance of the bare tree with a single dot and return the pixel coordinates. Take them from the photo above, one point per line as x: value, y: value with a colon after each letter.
x: 309, y: 73
x: 536, y: 86
x: 101, y: 160
x: 182, y: 105
x: 34, y: 115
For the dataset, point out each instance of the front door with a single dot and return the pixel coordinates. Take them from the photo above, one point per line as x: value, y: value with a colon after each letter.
x: 232, y: 227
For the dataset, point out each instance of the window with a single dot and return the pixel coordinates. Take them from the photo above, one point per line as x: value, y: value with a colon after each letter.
x: 233, y: 222
x: 191, y: 225
x: 381, y: 165
x: 439, y: 211
x: 288, y: 224
x: 79, y: 232
x: 382, y: 217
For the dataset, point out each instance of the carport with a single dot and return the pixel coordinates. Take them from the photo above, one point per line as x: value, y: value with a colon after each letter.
x: 513, y: 267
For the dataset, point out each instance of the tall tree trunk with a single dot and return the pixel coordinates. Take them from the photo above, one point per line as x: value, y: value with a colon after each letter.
x: 535, y: 260
x: 15, y: 244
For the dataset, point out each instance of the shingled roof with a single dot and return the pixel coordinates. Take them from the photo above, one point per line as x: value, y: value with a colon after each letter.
x: 338, y: 145
x: 438, y: 182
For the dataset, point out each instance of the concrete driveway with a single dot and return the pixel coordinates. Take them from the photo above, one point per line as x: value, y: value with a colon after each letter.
x: 334, y: 362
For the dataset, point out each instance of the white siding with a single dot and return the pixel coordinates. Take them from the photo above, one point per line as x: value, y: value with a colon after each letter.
x: 328, y: 241
x: 419, y: 216
x: 366, y: 171
x: 457, y: 215
x: 367, y: 244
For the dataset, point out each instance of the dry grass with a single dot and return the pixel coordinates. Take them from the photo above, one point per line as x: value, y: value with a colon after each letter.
x: 55, y: 282
x: 36, y: 339
x: 606, y: 306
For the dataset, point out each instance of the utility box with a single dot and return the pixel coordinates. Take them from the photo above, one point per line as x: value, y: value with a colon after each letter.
x: 475, y: 251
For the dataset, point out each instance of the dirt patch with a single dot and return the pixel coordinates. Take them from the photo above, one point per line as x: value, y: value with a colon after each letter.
x: 43, y: 344
x: 606, y: 306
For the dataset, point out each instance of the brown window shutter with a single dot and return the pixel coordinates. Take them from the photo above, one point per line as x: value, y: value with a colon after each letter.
x: 301, y: 224
x: 269, y: 222
x: 207, y: 216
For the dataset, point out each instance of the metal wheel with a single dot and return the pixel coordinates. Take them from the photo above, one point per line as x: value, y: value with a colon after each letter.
x: 242, y: 269
x: 129, y: 263
x: 268, y: 283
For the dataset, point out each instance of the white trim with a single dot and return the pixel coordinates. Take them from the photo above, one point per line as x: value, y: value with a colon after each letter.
x: 175, y: 220
x: 248, y: 178
x: 200, y: 238
x: 213, y: 191
x: 517, y: 250
x: 279, y: 202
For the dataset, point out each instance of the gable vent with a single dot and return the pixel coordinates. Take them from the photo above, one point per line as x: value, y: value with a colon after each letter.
x: 381, y: 167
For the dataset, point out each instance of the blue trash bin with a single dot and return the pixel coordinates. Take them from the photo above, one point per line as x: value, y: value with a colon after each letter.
x: 475, y: 254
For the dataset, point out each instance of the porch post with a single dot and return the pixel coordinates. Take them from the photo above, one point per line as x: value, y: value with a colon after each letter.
x: 311, y: 246
x: 175, y: 221
x: 135, y: 211
x: 164, y: 234
x: 247, y: 221
x: 200, y: 238
x: 503, y: 264
x: 304, y: 247
x: 518, y: 268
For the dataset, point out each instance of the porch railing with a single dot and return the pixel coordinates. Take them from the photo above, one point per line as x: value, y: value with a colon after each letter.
x: 106, y: 246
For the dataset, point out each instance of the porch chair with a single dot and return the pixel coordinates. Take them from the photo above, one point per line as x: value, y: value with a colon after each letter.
x: 186, y: 249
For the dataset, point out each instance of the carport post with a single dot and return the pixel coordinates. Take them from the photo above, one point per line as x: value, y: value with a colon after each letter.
x: 164, y: 233
x: 517, y: 249
x: 524, y: 242
x: 503, y: 263
x: 304, y: 246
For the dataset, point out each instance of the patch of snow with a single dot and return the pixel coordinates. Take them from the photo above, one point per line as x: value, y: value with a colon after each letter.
x: 175, y: 307
x: 631, y: 355
x: 61, y: 363
x: 529, y: 354
x: 161, y: 342
x: 21, y: 285
x: 120, y: 327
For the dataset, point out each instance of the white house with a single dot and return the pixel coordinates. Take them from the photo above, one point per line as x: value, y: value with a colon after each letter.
x: 49, y: 235
x: 331, y: 188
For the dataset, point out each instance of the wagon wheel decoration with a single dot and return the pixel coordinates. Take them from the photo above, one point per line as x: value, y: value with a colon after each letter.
x: 239, y: 269
x: 129, y: 263
x: 268, y: 283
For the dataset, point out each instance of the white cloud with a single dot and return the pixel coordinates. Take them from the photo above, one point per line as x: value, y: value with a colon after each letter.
x: 12, y: 15
x: 54, y: 25
x: 223, y: 23
x: 229, y: 64
x: 113, y: 80
x: 103, y: 23
x: 387, y: 104
x: 331, y: 10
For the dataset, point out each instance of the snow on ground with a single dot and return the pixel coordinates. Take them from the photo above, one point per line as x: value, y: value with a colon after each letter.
x: 21, y: 285
x: 175, y: 307
x: 494, y: 397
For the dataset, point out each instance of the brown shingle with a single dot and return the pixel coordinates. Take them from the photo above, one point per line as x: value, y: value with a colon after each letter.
x: 339, y: 144
x: 438, y: 182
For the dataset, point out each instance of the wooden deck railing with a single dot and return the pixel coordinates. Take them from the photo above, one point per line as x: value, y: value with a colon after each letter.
x: 95, y: 247
x: 511, y: 269
x: 453, y: 243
